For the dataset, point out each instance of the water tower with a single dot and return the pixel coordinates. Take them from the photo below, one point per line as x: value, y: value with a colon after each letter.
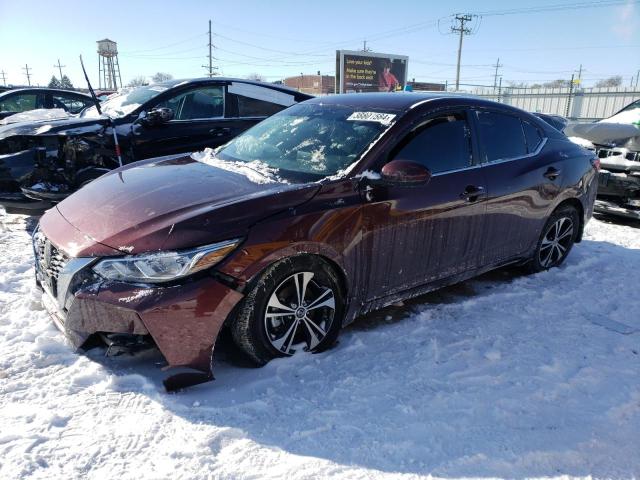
x: 108, y: 67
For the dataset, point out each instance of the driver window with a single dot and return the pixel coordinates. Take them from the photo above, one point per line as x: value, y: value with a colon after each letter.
x: 441, y: 144
x: 200, y: 103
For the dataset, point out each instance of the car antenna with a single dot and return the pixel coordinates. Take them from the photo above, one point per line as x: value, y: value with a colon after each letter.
x: 97, y: 103
x: 93, y: 94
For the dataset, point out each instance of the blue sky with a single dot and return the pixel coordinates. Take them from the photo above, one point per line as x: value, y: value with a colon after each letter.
x: 279, y: 38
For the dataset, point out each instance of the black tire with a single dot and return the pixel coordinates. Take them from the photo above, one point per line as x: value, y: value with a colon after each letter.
x: 556, y: 240
x: 258, y: 324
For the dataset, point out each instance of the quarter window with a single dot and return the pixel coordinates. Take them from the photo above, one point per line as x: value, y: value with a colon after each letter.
x: 532, y: 135
x: 442, y: 144
x: 201, y: 103
x: 501, y: 135
x: 252, y: 107
x: 68, y: 103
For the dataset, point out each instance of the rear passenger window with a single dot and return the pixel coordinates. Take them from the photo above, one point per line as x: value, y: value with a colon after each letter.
x: 533, y: 135
x: 252, y: 107
x: 501, y: 136
x: 442, y: 144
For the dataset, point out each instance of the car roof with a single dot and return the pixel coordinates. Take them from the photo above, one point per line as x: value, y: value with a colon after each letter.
x: 402, y: 101
x: 205, y: 80
x: 43, y: 89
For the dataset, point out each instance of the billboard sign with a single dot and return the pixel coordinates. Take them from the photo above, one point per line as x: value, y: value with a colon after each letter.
x: 370, y: 72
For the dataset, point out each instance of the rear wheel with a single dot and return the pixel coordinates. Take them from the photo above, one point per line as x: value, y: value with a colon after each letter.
x: 558, y: 236
x: 296, y: 304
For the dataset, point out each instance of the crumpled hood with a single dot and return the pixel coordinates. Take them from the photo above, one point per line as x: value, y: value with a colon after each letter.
x: 67, y: 126
x: 621, y: 130
x: 175, y: 202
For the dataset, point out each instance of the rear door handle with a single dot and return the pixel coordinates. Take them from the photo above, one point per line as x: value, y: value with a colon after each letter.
x: 220, y: 131
x: 472, y: 193
x: 552, y: 173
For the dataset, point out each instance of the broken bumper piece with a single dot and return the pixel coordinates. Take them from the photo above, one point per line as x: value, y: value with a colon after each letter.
x: 18, y: 203
x: 611, y: 208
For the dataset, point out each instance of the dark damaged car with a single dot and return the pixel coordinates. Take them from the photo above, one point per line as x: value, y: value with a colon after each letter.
x: 43, y: 162
x: 616, y: 141
x: 325, y: 211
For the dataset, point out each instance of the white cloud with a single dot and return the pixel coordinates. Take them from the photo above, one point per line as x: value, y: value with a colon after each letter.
x: 626, y: 21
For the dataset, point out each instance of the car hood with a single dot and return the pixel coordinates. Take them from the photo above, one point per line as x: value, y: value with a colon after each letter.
x: 67, y: 126
x: 174, y: 203
x: 608, y: 132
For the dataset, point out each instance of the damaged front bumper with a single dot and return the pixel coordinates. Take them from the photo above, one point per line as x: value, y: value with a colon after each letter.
x: 619, y: 183
x: 183, y: 320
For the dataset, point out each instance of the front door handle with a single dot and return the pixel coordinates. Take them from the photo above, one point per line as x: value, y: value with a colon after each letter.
x: 220, y: 131
x: 472, y: 193
x: 552, y: 173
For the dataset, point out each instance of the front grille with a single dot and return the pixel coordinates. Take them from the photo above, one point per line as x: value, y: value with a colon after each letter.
x: 50, y: 261
x: 621, y: 153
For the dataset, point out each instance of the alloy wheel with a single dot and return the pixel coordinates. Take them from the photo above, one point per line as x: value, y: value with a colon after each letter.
x: 556, y: 242
x: 300, y: 310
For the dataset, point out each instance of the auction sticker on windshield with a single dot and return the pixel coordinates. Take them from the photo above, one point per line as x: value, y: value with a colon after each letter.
x: 383, y: 118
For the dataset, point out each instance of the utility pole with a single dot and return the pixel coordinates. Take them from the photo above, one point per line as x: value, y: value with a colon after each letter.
x: 26, y: 69
x: 210, y: 45
x: 4, y: 80
x: 364, y: 47
x: 580, y: 74
x: 495, y: 76
x: 637, y: 78
x: 60, y: 67
x: 462, y: 30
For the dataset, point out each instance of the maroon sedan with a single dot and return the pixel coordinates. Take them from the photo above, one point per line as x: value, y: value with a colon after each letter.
x: 329, y: 209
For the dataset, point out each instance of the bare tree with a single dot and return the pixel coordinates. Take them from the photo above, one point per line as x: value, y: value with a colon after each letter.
x: 257, y: 77
x: 558, y: 83
x: 137, y: 81
x: 614, y: 81
x: 161, y: 77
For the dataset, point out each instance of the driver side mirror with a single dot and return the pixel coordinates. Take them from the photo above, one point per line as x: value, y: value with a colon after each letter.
x: 405, y: 173
x: 157, y: 116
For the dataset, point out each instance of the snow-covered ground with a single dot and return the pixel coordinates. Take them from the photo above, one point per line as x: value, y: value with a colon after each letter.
x: 504, y: 376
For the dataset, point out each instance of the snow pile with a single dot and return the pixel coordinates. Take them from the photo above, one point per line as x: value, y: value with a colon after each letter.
x: 36, y: 115
x: 627, y: 117
x: 583, y: 142
x: 503, y: 376
x: 256, y: 171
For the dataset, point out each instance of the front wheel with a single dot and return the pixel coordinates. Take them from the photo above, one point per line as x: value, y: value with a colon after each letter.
x: 296, y: 303
x: 557, y: 238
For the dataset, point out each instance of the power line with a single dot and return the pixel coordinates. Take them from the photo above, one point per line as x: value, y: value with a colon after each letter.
x: 554, y: 8
x: 60, y: 67
x: 199, y: 35
x: 462, y: 30
x: 26, y: 69
x: 495, y: 77
x: 210, y: 45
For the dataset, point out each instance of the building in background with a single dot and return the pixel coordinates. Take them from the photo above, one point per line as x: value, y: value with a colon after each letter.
x: 426, y: 86
x: 312, y: 84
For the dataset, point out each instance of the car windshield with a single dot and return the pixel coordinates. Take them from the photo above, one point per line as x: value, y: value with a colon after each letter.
x: 309, y: 140
x: 631, y: 106
x: 125, y: 101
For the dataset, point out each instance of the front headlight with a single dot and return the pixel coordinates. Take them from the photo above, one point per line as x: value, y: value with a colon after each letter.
x: 164, y: 266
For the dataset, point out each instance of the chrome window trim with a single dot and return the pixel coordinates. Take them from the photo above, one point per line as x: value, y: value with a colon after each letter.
x: 470, y: 167
x: 522, y: 157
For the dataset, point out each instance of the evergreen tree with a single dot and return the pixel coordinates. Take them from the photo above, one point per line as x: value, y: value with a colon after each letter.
x: 54, y: 82
x: 65, y: 82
